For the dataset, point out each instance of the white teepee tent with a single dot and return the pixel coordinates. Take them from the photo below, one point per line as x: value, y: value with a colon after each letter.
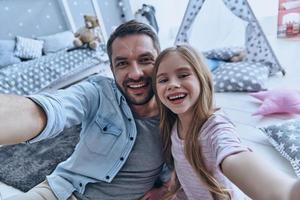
x: 242, y: 26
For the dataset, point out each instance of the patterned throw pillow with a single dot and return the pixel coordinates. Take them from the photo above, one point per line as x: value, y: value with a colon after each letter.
x: 28, y: 48
x: 240, y: 77
x: 285, y: 138
x: 224, y: 54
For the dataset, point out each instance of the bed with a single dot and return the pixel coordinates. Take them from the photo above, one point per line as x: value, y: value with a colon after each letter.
x: 51, y: 71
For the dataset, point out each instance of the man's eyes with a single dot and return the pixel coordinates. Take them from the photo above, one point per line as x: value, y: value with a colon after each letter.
x: 146, y: 60
x: 121, y: 63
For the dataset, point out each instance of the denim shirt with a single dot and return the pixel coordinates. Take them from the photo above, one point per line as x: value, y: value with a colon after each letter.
x: 106, y: 139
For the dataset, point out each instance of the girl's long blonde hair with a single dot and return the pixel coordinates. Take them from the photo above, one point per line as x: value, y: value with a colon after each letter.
x: 203, y: 109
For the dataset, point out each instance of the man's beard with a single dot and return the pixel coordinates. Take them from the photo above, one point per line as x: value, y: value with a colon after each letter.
x: 134, y: 100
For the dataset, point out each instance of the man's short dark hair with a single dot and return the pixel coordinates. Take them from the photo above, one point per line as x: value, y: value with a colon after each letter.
x: 132, y: 27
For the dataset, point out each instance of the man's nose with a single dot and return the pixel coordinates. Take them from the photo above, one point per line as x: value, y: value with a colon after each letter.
x: 135, y: 72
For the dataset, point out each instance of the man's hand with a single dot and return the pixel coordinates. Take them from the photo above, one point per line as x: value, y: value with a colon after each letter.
x: 155, y: 193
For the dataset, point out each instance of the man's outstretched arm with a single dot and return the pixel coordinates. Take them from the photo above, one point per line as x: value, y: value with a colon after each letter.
x: 20, y: 119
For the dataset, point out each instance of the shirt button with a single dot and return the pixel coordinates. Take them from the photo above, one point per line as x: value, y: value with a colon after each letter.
x: 131, y: 138
x: 122, y: 158
x: 107, y: 177
x: 104, y: 129
x: 80, y: 184
x: 129, y: 119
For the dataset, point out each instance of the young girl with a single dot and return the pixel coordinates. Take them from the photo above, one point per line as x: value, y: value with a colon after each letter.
x: 201, y: 143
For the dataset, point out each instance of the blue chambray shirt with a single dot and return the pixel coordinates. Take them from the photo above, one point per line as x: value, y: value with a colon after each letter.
x: 106, y: 139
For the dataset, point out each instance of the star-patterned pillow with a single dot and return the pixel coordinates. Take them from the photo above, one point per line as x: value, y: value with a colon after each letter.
x: 240, y: 77
x: 225, y: 53
x: 285, y: 138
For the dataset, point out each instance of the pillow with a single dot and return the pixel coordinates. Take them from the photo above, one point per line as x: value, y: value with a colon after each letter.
x: 57, y: 42
x: 224, y: 54
x: 213, y: 64
x: 278, y: 101
x: 240, y: 77
x: 23, y: 166
x: 27, y: 48
x: 8, y: 59
x: 7, y: 46
x: 285, y: 138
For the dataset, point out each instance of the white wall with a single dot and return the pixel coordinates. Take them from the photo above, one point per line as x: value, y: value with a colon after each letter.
x: 169, y: 14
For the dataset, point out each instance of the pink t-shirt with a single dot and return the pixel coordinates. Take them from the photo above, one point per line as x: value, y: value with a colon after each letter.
x: 218, y: 140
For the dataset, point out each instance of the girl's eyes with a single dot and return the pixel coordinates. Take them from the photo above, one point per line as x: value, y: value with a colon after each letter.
x: 179, y: 76
x: 183, y: 75
x: 162, y: 80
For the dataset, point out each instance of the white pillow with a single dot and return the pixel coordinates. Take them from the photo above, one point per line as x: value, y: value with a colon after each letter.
x: 57, y: 42
x: 27, y: 48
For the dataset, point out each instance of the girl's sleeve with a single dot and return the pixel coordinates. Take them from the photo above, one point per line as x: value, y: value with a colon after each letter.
x: 222, y: 139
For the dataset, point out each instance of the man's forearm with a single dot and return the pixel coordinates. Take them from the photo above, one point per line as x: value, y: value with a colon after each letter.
x: 20, y: 119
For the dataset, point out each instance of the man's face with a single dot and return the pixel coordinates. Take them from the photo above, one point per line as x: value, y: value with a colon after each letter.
x: 133, y: 60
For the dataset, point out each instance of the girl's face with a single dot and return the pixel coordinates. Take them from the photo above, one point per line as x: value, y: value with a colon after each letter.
x: 177, y: 84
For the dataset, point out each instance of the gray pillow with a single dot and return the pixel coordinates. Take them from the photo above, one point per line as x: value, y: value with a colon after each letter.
x: 240, y: 77
x: 7, y: 46
x: 8, y: 59
x: 28, y: 48
x: 285, y: 137
x: 224, y: 53
x: 57, y: 42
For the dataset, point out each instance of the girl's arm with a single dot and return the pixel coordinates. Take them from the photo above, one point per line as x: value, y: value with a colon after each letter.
x: 258, y: 179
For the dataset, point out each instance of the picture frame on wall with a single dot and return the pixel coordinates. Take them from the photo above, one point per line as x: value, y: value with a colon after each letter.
x: 288, y: 19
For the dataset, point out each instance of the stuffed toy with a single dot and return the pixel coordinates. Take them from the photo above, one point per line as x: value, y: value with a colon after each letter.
x: 278, y: 101
x: 89, y: 34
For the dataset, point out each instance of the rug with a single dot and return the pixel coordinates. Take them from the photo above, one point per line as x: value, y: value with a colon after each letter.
x: 25, y: 165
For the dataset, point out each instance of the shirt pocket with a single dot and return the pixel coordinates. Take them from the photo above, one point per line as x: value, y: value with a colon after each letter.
x: 102, y: 136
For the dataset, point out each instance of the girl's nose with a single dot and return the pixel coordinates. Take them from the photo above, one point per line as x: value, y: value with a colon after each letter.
x: 173, y: 84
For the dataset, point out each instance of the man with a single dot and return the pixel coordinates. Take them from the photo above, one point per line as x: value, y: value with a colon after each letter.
x: 119, y: 152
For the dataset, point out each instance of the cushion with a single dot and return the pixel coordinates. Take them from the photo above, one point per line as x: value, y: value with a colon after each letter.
x: 278, y: 101
x: 27, y: 48
x: 224, y: 53
x: 285, y: 137
x: 25, y: 165
x: 8, y: 59
x: 213, y: 64
x: 7, y: 46
x: 240, y: 77
x: 57, y: 42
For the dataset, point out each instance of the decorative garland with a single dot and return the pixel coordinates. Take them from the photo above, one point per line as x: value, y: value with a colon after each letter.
x: 121, y: 5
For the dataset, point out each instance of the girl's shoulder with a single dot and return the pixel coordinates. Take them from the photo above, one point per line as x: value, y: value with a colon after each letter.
x: 217, y: 122
x: 219, y: 117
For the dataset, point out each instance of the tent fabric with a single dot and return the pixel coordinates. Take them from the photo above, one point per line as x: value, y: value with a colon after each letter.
x: 256, y: 44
